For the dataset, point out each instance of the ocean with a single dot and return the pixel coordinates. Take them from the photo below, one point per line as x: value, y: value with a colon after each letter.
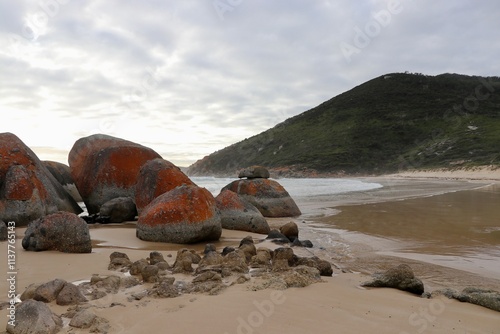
x: 297, y: 188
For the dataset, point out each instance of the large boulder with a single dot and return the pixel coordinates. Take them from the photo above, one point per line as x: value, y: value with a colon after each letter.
x: 254, y: 172
x: 61, y: 231
x: 157, y: 177
x: 62, y: 173
x: 28, y: 190
x: 106, y: 167
x: 238, y: 214
x: 268, y: 196
x: 186, y: 214
x: 400, y: 277
x: 34, y: 317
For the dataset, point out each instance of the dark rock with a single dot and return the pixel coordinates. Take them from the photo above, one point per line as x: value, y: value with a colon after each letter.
x: 106, y: 167
x: 61, y: 231
x: 254, y: 172
x: 268, y: 196
x: 290, y: 230
x: 400, y: 277
x: 277, y: 237
x: 70, y: 294
x: 238, y: 214
x: 48, y: 292
x: 307, y: 243
x: 34, y: 317
x: 486, y: 298
x: 119, y: 210
x: 62, y: 173
x: 187, y: 214
x: 157, y: 177
x: 28, y: 191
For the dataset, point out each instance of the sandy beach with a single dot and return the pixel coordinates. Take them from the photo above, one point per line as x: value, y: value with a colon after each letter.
x: 338, y: 304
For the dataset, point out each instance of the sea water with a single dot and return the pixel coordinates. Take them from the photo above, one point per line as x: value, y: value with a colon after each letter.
x: 303, y: 187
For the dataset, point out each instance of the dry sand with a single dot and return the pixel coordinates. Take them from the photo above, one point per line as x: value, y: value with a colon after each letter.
x: 338, y: 305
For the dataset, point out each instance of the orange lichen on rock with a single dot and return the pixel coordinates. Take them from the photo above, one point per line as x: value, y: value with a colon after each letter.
x: 157, y: 177
x: 185, y: 214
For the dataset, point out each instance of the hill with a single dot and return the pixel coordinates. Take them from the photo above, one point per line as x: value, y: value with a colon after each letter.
x: 394, y: 122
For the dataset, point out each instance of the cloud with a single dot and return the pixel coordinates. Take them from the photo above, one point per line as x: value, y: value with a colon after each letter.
x: 186, y: 80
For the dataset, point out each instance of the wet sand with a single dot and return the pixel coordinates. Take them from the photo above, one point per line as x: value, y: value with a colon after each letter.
x: 338, y: 304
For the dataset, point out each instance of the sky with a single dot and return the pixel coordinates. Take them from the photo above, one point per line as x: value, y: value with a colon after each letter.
x: 190, y: 77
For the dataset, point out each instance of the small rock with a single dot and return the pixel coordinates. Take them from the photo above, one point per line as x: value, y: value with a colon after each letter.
x: 155, y: 257
x: 70, y: 295
x: 137, y: 266
x: 209, y: 248
x: 83, y: 319
x: 48, y: 292
x: 150, y: 273
x: 290, y: 230
x: 400, y: 277
x: 227, y: 250
x: 277, y: 237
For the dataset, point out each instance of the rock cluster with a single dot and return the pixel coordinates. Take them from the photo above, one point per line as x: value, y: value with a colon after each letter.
x: 288, y: 234
x: 29, y: 191
x: 105, y: 167
x: 213, y: 271
x: 119, y: 180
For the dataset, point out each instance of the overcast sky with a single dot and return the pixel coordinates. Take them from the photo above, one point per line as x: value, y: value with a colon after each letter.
x: 190, y: 77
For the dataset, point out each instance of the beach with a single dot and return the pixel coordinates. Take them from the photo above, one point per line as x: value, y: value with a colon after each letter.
x: 337, y: 227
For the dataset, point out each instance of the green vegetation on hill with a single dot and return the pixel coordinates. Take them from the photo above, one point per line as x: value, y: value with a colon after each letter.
x: 393, y: 122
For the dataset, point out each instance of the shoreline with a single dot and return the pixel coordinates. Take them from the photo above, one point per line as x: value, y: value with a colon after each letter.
x: 338, y: 302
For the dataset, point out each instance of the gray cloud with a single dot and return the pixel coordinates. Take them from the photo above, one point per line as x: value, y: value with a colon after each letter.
x: 187, y: 80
